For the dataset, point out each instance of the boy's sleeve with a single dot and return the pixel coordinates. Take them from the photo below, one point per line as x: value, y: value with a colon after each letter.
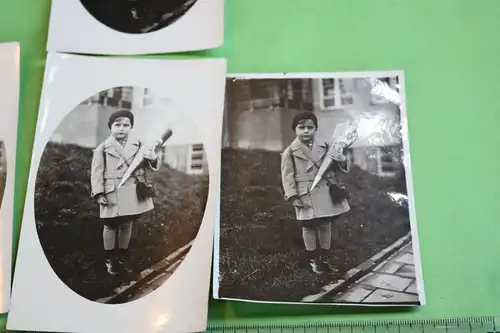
x: 154, y: 165
x: 288, y: 175
x: 151, y: 164
x: 97, y: 172
x: 345, y: 165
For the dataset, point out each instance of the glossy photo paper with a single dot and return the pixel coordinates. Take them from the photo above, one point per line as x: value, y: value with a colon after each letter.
x: 121, y: 202
x: 135, y: 26
x: 317, y: 199
x: 9, y: 104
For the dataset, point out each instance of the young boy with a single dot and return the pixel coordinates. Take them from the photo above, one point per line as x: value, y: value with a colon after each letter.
x: 315, y: 209
x: 119, y: 207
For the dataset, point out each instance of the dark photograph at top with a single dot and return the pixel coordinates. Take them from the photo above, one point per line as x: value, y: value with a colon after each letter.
x: 137, y: 16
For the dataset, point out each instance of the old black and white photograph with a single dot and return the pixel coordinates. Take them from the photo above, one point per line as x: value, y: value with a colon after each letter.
x: 137, y: 16
x: 131, y: 27
x: 121, y: 200
x: 316, y: 194
x: 120, y: 195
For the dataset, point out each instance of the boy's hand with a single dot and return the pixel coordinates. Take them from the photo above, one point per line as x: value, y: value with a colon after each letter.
x: 150, y: 153
x: 297, y: 203
x: 102, y: 200
x: 337, y: 153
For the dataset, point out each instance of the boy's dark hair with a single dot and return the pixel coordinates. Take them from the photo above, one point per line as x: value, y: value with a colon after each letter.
x: 303, y: 116
x: 123, y: 113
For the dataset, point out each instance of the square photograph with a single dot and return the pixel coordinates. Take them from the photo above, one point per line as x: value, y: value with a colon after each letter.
x: 316, y: 195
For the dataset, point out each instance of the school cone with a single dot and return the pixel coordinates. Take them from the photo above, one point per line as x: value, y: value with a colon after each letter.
x: 344, y: 135
x: 139, y: 159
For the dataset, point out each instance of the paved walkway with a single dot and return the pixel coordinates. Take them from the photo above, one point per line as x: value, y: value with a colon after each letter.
x: 390, y: 282
x: 155, y: 283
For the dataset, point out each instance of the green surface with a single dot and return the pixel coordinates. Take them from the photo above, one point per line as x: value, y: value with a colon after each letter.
x: 449, y: 50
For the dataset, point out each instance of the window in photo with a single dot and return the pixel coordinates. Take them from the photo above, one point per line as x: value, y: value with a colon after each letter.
x: 387, y: 162
x: 392, y: 82
x: 336, y: 93
x: 196, y: 159
x: 147, y: 100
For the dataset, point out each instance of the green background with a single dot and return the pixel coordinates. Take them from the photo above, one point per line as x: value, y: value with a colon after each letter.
x: 450, y: 52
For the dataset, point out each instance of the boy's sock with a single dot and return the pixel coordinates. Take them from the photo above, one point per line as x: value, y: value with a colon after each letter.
x: 311, y: 254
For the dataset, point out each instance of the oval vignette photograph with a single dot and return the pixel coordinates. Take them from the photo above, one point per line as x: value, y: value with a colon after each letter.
x: 3, y: 170
x: 120, y: 194
x: 137, y: 16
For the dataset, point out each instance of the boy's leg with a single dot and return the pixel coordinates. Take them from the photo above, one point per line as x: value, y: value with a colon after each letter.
x: 325, y: 235
x: 124, y: 235
x: 109, y: 238
x: 325, y: 240
x: 309, y: 236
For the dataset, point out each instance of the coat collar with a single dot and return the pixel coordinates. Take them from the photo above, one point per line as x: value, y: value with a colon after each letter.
x: 126, y: 153
x: 313, y: 155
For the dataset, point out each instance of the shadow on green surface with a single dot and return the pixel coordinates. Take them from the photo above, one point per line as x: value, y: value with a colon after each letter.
x: 228, y: 311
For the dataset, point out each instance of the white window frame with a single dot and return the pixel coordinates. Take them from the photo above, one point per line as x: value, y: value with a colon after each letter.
x: 379, y: 100
x: 147, y: 99
x: 380, y: 171
x: 337, y: 94
x: 192, y: 153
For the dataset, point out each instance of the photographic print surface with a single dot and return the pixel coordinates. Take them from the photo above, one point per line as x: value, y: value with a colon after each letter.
x: 137, y: 16
x: 3, y: 170
x: 121, y: 202
x: 316, y: 192
x: 135, y: 26
x: 9, y: 104
x: 111, y: 244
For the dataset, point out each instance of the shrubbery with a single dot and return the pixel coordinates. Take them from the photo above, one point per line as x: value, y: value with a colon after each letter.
x: 70, y: 231
x: 261, y: 251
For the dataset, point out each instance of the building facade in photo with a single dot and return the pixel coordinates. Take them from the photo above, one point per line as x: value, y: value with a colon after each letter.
x: 259, y: 113
x: 86, y: 126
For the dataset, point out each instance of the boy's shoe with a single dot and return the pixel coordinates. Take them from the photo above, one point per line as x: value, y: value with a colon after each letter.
x: 122, y: 261
x: 325, y: 262
x: 327, y: 266
x: 111, y: 267
x: 315, y: 267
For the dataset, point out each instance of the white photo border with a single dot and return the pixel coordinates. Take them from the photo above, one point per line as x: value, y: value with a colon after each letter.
x: 180, y: 304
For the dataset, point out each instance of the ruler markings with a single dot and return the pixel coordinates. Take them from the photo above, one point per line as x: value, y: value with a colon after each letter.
x: 444, y: 324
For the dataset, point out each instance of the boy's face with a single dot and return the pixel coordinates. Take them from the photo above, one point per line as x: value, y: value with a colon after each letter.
x: 305, y: 130
x: 121, y: 128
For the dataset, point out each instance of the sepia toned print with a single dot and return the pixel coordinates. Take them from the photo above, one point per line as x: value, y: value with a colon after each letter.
x: 118, y: 204
x: 315, y: 202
